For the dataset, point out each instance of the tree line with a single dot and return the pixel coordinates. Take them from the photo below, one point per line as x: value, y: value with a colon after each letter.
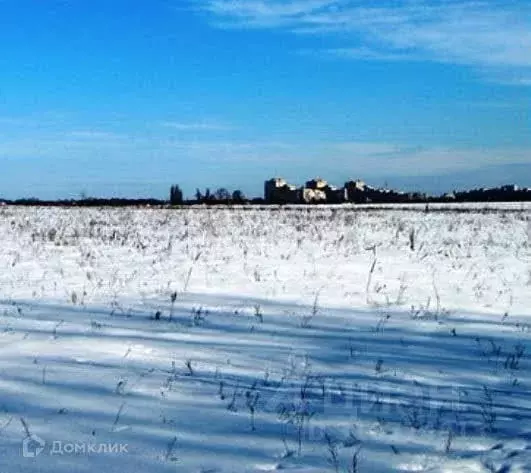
x: 222, y: 196
x: 219, y: 196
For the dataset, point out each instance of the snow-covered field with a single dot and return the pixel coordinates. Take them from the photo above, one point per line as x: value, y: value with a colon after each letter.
x: 244, y: 340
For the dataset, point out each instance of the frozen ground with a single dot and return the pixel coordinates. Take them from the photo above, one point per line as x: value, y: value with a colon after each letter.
x: 307, y: 340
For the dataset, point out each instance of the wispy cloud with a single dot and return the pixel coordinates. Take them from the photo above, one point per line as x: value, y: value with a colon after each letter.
x: 197, y: 126
x: 375, y: 159
x: 94, y: 135
x: 262, y: 13
x: 481, y: 33
x: 372, y: 158
x: 369, y: 54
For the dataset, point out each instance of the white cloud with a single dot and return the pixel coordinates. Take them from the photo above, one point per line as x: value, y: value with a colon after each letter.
x: 368, y: 54
x: 435, y: 161
x: 94, y: 135
x: 263, y: 13
x: 315, y: 157
x: 514, y: 77
x: 482, y: 33
x: 374, y: 159
x: 196, y: 126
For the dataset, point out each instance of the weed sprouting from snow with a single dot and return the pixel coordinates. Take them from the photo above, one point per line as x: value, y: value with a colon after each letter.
x: 189, y: 367
x: 412, y: 239
x: 198, y: 315
x: 169, y: 456
x: 333, y: 451
x: 25, y: 426
x: 56, y: 327
x: 195, y: 259
x: 118, y: 415
x: 173, y: 298
x: 297, y: 414
x: 448, y: 442
x: 221, y: 391
x: 258, y: 313
x: 251, y: 400
x: 488, y: 410
x: 354, y: 461
x: 369, y: 277
x: 306, y: 320
x: 380, y: 326
x: 232, y: 404
x: 512, y: 362
x: 120, y: 386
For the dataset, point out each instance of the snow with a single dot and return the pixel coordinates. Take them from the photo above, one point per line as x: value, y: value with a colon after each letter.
x: 307, y: 339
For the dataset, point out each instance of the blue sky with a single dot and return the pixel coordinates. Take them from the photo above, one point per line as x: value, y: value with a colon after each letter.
x: 126, y: 97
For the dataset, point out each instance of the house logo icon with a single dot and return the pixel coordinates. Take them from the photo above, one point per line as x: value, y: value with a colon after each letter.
x: 32, y: 446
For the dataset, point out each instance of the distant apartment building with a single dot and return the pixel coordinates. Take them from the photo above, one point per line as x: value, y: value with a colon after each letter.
x: 336, y: 195
x: 278, y: 191
x: 314, y: 191
x: 318, y: 191
x: 355, y: 191
x: 312, y: 196
x: 325, y: 192
x: 317, y: 184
